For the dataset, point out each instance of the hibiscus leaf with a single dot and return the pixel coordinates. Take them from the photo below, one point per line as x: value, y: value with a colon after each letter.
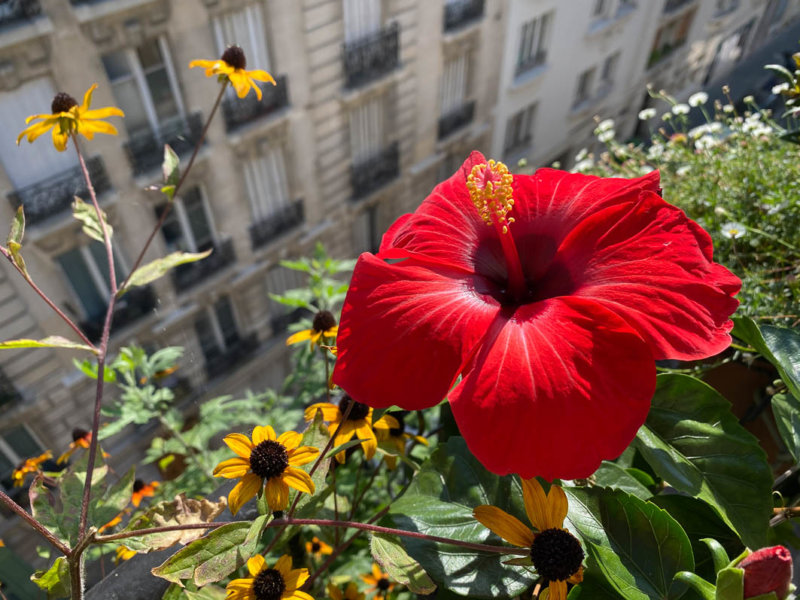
x: 613, y: 476
x: 693, y: 441
x: 786, y: 409
x: 779, y: 345
x: 636, y: 546
x: 439, y: 502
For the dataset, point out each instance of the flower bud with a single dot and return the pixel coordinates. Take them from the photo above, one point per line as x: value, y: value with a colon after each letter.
x: 767, y: 570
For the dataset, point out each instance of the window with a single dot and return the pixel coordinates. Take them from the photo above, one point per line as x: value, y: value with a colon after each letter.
x: 216, y: 329
x: 244, y: 28
x: 144, y: 86
x: 601, y: 9
x: 367, y: 129
x: 455, y: 80
x: 519, y: 130
x: 533, y: 43
x: 279, y: 281
x: 366, y: 231
x: 585, y: 83
x: 608, y: 72
x: 86, y: 268
x: 16, y: 444
x: 266, y: 182
x: 361, y: 18
x: 188, y: 227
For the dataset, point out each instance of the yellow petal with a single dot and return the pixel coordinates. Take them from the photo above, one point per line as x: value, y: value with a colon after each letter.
x: 558, y: 590
x: 557, y: 507
x: 386, y: 422
x: 332, y: 332
x: 376, y: 571
x: 243, y: 491
x: 277, y: 494
x: 263, y: 433
x: 256, y: 564
x: 239, y: 82
x: 345, y: 432
x: 503, y: 524
x: 103, y: 113
x: 330, y: 412
x: 240, y: 444
x: 298, y: 479
x: 369, y: 443
x: 59, y: 140
x: 290, y: 439
x: 37, y: 129
x: 420, y: 439
x: 87, y: 97
x: 297, y: 595
x: 255, y: 87
x: 302, y: 455
x: 576, y: 577
x: 259, y: 75
x: 300, y: 336
x: 535, y: 503
x: 84, y: 127
x: 295, y: 578
x: 284, y: 566
x: 206, y: 64
x: 233, y: 468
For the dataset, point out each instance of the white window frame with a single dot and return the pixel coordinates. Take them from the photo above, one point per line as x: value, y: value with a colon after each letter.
x: 534, y: 38
x: 95, y: 274
x: 454, y: 90
x: 268, y: 191
x: 186, y: 228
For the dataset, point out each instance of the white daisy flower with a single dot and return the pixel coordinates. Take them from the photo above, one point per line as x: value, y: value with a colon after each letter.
x: 681, y: 109
x: 646, y: 114
x: 733, y: 230
x: 698, y: 99
x: 780, y: 88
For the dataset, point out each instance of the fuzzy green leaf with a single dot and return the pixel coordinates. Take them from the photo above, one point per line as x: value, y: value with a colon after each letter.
x: 170, y: 168
x: 17, y: 227
x: 53, y: 341
x: 55, y: 580
x: 159, y: 267
x: 730, y: 584
x: 86, y: 214
x: 390, y: 554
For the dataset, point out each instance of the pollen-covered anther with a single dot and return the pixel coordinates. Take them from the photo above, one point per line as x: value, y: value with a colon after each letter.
x: 490, y: 189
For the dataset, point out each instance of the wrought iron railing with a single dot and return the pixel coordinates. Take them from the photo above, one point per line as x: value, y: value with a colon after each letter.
x: 285, y: 218
x: 190, y: 274
x: 55, y: 194
x: 146, y: 147
x: 372, y: 57
x: 222, y: 361
x: 12, y: 12
x: 376, y: 171
x: 135, y: 304
x: 281, y: 322
x: 456, y: 119
x: 459, y: 13
x: 241, y: 111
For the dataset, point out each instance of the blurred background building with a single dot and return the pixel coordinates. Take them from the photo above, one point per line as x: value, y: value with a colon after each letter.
x: 376, y: 101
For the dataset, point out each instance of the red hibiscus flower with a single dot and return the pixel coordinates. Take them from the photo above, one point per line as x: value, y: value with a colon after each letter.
x: 552, y: 314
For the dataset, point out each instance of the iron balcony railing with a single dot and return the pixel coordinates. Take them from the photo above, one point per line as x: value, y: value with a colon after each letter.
x: 460, y: 13
x: 55, y: 194
x: 376, y: 171
x: 135, y: 304
x: 285, y: 218
x: 190, y: 274
x: 241, y: 111
x: 13, y: 12
x: 228, y: 359
x: 372, y: 57
x: 456, y: 119
x: 146, y: 148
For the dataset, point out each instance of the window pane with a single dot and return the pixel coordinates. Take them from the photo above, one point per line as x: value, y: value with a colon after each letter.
x: 205, y: 335
x: 22, y: 442
x: 117, y: 66
x: 94, y: 305
x: 98, y: 252
x: 128, y: 98
x: 171, y: 230
x: 226, y: 320
x: 196, y: 214
x: 161, y: 93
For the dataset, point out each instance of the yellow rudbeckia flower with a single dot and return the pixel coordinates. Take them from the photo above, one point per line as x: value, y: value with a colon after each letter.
x: 394, y: 439
x: 30, y: 465
x: 359, y: 423
x: 317, y: 547
x: 123, y: 553
x: 350, y: 592
x: 280, y: 582
x: 323, y: 325
x: 266, y: 460
x: 232, y: 65
x: 379, y: 582
x: 555, y: 553
x: 69, y: 118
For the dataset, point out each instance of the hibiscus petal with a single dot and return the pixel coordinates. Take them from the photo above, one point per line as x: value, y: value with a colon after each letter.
x: 650, y: 264
x: 560, y: 386
x: 419, y: 321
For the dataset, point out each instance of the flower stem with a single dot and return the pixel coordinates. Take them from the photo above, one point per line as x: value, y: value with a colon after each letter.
x: 167, y: 208
x: 41, y: 529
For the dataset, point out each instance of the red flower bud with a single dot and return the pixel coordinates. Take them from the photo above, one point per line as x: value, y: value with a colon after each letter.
x: 767, y: 570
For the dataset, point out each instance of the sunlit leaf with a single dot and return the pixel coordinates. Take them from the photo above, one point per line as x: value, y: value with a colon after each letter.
x: 170, y: 168
x: 17, y: 227
x: 55, y: 580
x: 53, y: 341
x: 159, y: 267
x: 391, y: 555
x: 86, y: 214
x: 779, y: 345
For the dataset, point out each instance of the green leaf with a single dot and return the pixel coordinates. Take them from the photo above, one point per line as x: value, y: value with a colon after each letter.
x: 14, y: 249
x: 89, y: 368
x: 718, y: 553
x: 390, y: 554
x: 43, y: 509
x: 157, y: 268
x: 730, y: 584
x: 86, y: 214
x: 343, y: 447
x: 55, y: 580
x: 693, y: 441
x: 170, y: 169
x: 103, y: 509
x: 439, y: 502
x: 593, y: 587
x: 610, y: 475
x: 316, y: 436
x: 782, y: 71
x: 779, y: 345
x: 53, y: 341
x: 637, y: 546
x: 700, y: 585
x: 216, y: 555
x: 17, y: 227
x: 786, y: 410
x: 71, y: 492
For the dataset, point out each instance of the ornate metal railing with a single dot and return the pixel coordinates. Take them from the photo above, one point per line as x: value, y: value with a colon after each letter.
x: 284, y: 219
x: 190, y: 274
x: 375, y: 172
x: 241, y: 111
x: 228, y: 359
x: 146, y: 148
x: 135, y: 304
x: 280, y: 323
x: 14, y: 11
x: 372, y: 57
x: 54, y: 194
x: 456, y: 119
x: 460, y: 13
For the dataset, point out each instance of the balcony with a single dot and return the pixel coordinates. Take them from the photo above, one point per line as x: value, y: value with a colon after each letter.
x: 285, y: 218
x: 281, y: 322
x: 54, y: 195
x: 375, y: 172
x: 190, y: 274
x: 460, y: 13
x: 456, y: 119
x: 137, y: 303
x: 14, y: 12
x: 145, y: 148
x: 231, y: 357
x: 241, y: 111
x: 372, y: 57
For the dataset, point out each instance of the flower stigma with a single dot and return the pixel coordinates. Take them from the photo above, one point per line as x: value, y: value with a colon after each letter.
x: 269, y: 459
x: 269, y: 585
x: 359, y: 410
x: 490, y: 190
x: 62, y: 103
x: 556, y: 554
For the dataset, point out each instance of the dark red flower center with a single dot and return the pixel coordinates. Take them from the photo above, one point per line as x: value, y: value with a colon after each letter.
x: 62, y: 103
x: 138, y: 485
x: 268, y: 585
x: 269, y: 459
x: 383, y: 584
x: 234, y: 56
x: 315, y: 547
x: 359, y: 411
x: 323, y: 321
x: 78, y: 433
x: 401, y: 428
x: 556, y: 554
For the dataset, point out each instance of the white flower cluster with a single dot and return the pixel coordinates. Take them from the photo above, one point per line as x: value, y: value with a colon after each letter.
x: 698, y: 99
x: 680, y: 109
x: 755, y: 127
x: 646, y: 114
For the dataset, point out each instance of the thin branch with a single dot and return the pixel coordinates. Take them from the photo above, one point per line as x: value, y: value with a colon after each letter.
x: 41, y: 529
x: 113, y: 537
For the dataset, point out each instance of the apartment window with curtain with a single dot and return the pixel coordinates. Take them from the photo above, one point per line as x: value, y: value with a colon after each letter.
x: 266, y: 182
x: 366, y: 231
x: 188, y: 226
x: 361, y: 19
x: 519, y: 130
x: 534, y: 39
x: 608, y: 73
x: 585, y: 84
x: 455, y: 79
x: 367, y: 129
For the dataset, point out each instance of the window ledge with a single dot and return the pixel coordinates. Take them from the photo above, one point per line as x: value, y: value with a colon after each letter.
x: 532, y: 74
